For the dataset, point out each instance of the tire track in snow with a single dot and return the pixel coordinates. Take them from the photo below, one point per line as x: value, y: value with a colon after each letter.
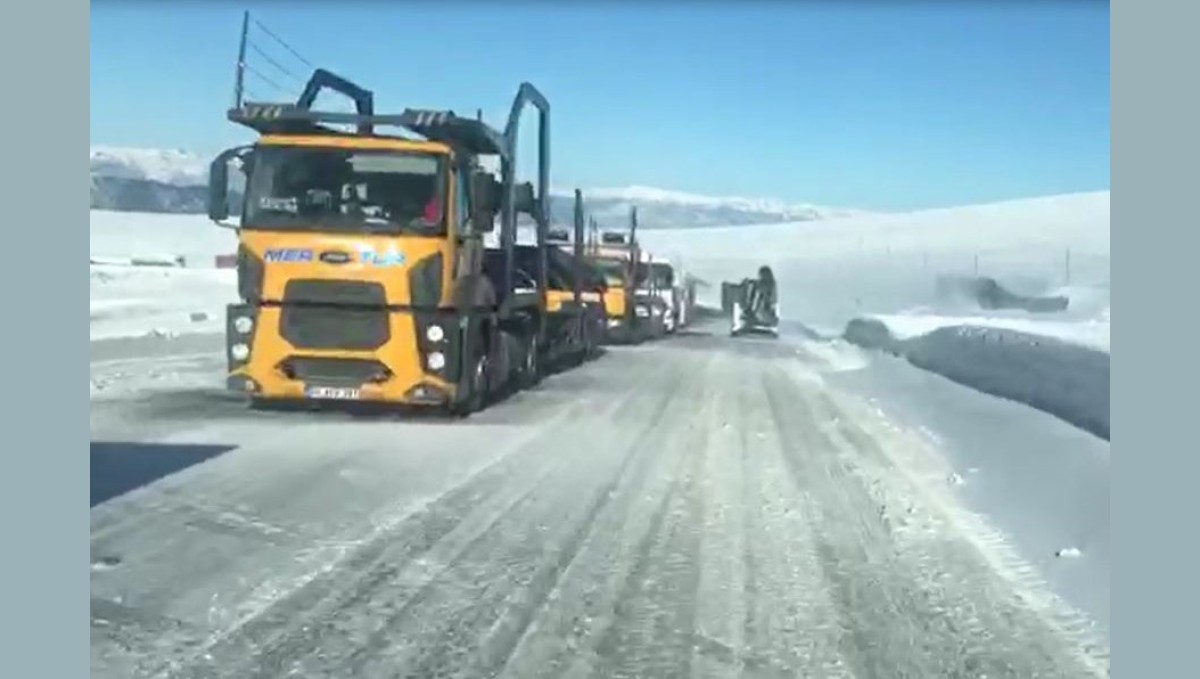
x: 571, y: 635
x: 343, y: 617
x: 792, y: 625
x: 525, y: 559
x: 917, y: 601
x: 283, y: 605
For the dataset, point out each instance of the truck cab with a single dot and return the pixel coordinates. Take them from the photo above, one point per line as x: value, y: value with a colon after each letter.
x: 614, y: 262
x: 662, y: 287
x: 360, y: 255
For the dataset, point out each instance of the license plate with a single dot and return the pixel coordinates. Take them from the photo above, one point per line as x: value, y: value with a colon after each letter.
x: 335, y: 393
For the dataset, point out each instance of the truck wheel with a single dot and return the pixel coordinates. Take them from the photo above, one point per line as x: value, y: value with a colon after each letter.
x: 478, y: 386
x: 531, y: 364
x: 589, y: 340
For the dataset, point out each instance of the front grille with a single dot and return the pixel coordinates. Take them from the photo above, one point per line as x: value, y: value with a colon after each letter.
x: 334, y: 371
x: 351, y: 293
x: 349, y: 315
x: 328, y: 327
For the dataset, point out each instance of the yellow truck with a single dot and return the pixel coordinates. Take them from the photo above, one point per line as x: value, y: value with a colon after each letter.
x: 361, y: 260
x: 614, y: 255
x: 574, y: 294
x: 637, y: 308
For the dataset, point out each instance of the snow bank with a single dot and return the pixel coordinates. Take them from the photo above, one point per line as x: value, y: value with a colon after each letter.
x: 1092, y: 333
x: 1061, y: 378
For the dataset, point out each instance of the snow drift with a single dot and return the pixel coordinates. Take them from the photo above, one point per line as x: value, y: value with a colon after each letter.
x: 1063, y: 379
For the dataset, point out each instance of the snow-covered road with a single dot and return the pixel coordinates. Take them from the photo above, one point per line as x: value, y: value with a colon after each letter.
x: 697, y: 507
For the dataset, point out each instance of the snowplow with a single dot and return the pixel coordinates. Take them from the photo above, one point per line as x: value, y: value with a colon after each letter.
x: 752, y: 305
x: 362, y: 270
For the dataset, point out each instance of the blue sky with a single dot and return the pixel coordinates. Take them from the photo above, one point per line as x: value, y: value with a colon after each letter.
x: 875, y: 105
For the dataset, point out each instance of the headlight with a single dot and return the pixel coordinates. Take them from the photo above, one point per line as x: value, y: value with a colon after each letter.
x: 243, y: 324
x: 239, y: 352
x: 641, y: 311
x: 437, y: 360
x: 435, y: 333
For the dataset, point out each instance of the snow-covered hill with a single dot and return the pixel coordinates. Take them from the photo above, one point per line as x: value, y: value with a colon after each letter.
x: 153, y: 180
x: 163, y: 166
x: 660, y: 208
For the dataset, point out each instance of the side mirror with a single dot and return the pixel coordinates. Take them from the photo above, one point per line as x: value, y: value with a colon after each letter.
x: 524, y: 200
x: 218, y: 182
x: 485, y: 201
x: 218, y: 189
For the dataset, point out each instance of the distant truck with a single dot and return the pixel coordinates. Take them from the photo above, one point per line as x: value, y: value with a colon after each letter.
x: 669, y: 298
x: 614, y: 255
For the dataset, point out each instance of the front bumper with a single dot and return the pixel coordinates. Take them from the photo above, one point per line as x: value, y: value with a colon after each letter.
x: 618, y: 331
x: 409, y: 368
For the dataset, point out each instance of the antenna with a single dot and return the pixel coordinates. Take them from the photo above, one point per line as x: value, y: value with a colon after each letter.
x: 239, y: 83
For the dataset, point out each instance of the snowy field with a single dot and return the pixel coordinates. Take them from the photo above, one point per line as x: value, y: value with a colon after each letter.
x: 882, y: 268
x: 887, y: 266
x: 830, y: 272
x: 918, y: 432
x: 130, y: 301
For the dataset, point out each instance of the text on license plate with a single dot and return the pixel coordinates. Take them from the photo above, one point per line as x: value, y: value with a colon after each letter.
x: 339, y: 393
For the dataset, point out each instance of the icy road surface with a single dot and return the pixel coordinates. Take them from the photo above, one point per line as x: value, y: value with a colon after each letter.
x: 701, y: 507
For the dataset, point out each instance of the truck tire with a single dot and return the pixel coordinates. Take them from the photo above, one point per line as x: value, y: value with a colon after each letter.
x: 479, y: 384
x: 530, y: 373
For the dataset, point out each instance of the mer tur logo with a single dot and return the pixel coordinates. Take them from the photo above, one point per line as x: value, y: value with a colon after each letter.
x: 381, y: 259
x: 291, y: 255
x: 366, y: 256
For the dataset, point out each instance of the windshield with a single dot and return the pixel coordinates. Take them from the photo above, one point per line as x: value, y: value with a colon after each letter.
x: 613, y: 271
x: 345, y: 190
x: 664, y: 277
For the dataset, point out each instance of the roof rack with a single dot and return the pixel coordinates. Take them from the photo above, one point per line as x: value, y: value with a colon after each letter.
x: 299, y: 118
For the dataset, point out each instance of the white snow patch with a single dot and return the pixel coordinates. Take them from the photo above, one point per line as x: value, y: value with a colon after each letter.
x: 134, y: 302
x: 836, y: 355
x: 119, y: 237
x: 1068, y: 553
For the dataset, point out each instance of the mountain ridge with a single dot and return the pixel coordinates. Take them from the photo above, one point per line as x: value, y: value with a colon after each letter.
x: 173, y: 181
